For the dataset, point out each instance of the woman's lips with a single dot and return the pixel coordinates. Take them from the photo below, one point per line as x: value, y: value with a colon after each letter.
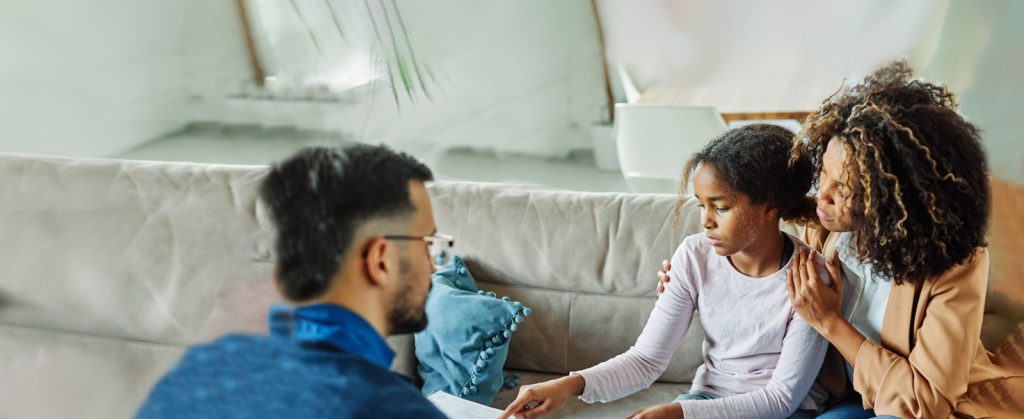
x: 823, y: 216
x: 714, y: 241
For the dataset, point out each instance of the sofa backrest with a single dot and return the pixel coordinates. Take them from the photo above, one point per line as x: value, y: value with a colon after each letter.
x: 586, y: 264
x: 110, y: 269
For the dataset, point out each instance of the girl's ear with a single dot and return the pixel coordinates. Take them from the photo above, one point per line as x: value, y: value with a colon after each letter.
x: 771, y: 211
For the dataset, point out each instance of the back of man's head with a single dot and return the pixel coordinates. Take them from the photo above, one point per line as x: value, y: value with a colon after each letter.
x: 319, y: 197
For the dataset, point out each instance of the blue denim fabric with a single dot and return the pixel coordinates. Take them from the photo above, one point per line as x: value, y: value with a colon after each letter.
x: 695, y: 395
x: 852, y: 408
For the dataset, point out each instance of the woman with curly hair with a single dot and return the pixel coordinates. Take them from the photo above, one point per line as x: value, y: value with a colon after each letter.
x: 903, y: 196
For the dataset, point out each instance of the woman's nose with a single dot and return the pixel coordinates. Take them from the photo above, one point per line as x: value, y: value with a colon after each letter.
x: 825, y: 198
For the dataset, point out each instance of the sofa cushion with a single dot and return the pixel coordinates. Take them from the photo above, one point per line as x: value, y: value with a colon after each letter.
x: 463, y: 349
x: 54, y: 374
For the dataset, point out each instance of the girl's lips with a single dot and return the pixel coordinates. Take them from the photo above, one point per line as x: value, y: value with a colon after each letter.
x: 823, y: 216
x: 714, y: 242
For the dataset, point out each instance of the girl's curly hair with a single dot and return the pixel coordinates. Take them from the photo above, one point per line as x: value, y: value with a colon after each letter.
x: 916, y: 173
x: 755, y: 160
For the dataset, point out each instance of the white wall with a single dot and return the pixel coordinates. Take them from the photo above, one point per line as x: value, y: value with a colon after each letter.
x: 511, y: 76
x: 93, y: 78
x: 785, y: 55
x: 993, y: 93
x: 788, y: 57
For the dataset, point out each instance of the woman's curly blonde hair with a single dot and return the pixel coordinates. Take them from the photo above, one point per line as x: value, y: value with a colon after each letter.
x: 916, y: 173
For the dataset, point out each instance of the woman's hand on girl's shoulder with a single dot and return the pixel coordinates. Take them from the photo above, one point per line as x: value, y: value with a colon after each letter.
x: 663, y: 276
x: 816, y: 298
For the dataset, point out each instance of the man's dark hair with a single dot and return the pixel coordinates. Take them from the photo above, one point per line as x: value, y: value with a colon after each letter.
x: 319, y: 197
x: 918, y: 183
x: 754, y: 160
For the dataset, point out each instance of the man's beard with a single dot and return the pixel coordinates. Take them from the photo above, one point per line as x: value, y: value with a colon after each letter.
x: 406, y: 314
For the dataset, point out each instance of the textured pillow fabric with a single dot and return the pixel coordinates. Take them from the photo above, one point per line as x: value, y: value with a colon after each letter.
x: 463, y: 349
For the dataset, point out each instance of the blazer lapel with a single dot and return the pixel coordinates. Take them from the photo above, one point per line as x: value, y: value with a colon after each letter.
x: 897, y: 328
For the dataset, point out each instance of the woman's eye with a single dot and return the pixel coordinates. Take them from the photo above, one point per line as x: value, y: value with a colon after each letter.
x: 721, y: 209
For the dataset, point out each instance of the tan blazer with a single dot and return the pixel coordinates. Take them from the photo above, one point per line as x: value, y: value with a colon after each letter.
x: 931, y: 362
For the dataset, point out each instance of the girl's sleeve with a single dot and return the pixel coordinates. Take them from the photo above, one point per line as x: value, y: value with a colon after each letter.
x: 647, y: 359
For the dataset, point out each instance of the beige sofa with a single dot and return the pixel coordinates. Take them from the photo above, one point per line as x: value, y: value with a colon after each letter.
x: 110, y: 269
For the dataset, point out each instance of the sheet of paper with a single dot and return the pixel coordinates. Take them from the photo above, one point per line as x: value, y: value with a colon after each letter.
x: 457, y: 408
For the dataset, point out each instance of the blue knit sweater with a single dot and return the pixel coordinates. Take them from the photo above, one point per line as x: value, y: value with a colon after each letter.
x: 321, y: 361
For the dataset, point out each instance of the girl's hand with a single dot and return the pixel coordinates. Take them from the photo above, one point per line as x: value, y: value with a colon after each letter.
x: 663, y: 276
x: 669, y: 410
x: 539, y: 399
x: 816, y: 301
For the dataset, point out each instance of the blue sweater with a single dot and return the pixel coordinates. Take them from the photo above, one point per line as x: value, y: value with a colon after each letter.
x: 320, y: 361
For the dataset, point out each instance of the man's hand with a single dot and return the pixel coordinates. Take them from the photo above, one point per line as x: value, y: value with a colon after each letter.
x: 670, y: 410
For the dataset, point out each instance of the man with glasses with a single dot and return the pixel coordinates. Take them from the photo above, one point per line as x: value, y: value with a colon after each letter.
x: 356, y: 245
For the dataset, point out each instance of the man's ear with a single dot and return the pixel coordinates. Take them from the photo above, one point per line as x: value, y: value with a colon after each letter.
x: 378, y: 267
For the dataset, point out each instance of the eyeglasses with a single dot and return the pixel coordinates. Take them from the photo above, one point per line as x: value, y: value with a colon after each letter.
x: 439, y: 245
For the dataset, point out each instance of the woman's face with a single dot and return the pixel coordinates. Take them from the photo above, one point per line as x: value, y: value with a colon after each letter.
x: 730, y: 222
x: 833, y: 192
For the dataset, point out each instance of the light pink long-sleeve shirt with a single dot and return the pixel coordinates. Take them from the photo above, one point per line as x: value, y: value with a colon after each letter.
x: 760, y: 357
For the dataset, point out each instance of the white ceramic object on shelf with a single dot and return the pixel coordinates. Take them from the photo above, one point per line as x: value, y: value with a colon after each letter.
x: 655, y: 141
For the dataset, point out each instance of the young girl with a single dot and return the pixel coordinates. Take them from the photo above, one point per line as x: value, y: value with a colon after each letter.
x: 760, y: 357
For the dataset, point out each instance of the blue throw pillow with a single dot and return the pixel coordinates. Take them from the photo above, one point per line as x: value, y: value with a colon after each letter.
x: 463, y: 349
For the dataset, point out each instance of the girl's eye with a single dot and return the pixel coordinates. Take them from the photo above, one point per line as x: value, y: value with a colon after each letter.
x: 721, y: 209
x: 701, y: 206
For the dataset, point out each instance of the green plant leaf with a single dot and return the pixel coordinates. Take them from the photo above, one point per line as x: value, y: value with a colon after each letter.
x: 337, y: 23
x: 412, y: 52
x: 380, y: 41
x: 309, y: 29
x: 403, y: 68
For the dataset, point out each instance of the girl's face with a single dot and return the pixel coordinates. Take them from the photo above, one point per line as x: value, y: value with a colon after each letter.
x: 730, y: 221
x: 833, y: 194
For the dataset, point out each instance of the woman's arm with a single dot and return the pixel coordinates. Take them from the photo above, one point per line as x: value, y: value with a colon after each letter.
x: 819, y: 300
x: 803, y: 351
x: 930, y: 381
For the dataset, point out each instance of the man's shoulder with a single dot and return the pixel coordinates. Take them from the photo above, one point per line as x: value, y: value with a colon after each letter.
x: 208, y: 357
x: 245, y: 373
x: 355, y: 384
